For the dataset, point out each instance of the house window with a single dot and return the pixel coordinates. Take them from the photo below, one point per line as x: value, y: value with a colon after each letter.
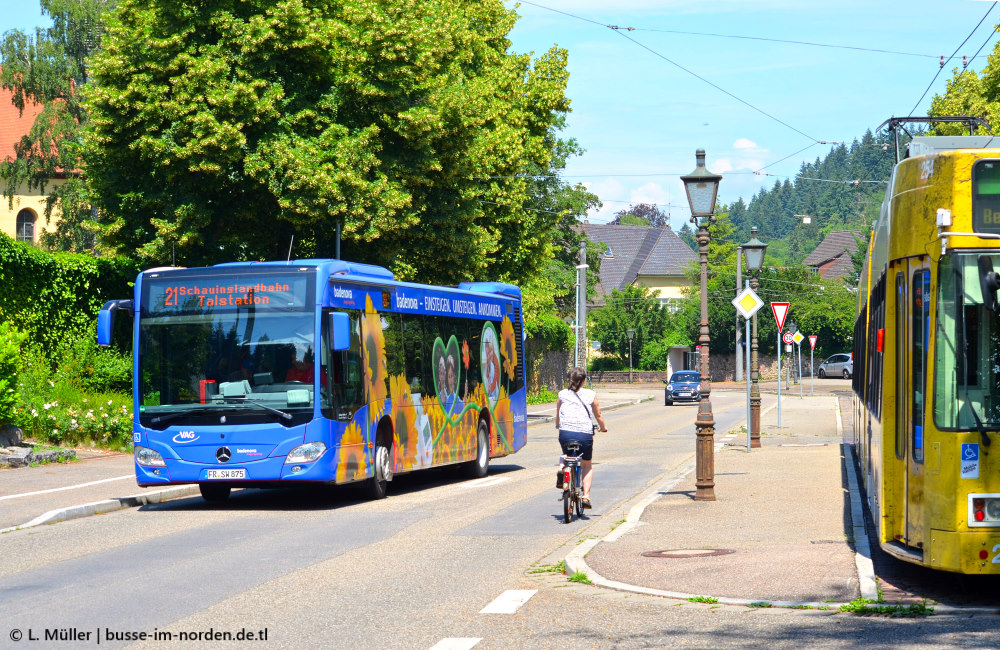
x: 672, y: 305
x: 26, y: 226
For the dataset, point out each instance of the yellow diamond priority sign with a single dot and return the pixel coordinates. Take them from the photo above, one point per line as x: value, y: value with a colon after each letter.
x: 747, y: 303
x: 798, y: 338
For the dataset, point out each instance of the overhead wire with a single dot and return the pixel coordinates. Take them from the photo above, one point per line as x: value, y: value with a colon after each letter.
x: 931, y: 84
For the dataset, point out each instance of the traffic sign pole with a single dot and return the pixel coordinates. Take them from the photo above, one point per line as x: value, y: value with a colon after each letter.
x: 812, y: 365
x: 749, y: 413
x: 779, y: 377
x: 780, y: 310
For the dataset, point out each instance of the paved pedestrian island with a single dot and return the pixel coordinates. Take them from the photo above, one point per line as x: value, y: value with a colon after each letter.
x: 780, y: 529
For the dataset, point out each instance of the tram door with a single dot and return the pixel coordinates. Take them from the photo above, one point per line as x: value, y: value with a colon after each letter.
x: 913, y: 384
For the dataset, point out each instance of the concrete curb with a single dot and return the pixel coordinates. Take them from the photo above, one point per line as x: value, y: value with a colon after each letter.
x: 108, y: 505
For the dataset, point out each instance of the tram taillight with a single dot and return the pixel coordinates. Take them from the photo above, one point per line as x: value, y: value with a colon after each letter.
x: 978, y: 509
x: 984, y: 509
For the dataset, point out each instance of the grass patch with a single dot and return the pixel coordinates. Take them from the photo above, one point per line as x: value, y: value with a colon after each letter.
x: 559, y: 567
x: 760, y: 603
x: 868, y: 607
x: 581, y: 578
x: 543, y: 396
x: 617, y: 524
x: 703, y: 599
x: 800, y: 607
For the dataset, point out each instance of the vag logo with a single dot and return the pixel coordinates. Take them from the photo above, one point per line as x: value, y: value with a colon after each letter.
x: 185, y: 436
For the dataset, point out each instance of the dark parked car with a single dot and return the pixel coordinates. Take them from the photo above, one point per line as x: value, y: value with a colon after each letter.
x: 684, y: 386
x: 839, y: 365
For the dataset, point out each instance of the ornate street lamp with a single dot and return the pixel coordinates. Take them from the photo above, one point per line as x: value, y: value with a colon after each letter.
x: 631, y: 335
x: 754, y: 251
x: 701, y: 187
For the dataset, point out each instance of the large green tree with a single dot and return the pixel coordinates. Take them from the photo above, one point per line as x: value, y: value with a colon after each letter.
x: 634, y: 308
x: 221, y: 129
x: 970, y: 93
x: 49, y: 69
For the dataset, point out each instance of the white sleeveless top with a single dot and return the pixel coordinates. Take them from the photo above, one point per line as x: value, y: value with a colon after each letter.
x: 572, y: 414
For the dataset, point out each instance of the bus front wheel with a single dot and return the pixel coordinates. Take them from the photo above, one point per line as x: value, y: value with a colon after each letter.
x: 214, y: 492
x: 477, y: 468
x: 378, y: 485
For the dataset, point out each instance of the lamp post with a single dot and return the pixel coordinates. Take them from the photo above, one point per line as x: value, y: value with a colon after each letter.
x: 702, y: 187
x: 754, y: 250
x: 631, y: 335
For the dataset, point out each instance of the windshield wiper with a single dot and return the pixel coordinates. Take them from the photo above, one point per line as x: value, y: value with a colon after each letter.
x: 243, y: 400
x: 206, y: 408
x: 201, y: 408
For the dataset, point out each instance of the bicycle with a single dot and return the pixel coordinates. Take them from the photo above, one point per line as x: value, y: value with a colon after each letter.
x: 572, y: 496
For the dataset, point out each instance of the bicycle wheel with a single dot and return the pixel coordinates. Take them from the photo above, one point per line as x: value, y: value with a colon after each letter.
x: 567, y: 506
x: 578, y: 494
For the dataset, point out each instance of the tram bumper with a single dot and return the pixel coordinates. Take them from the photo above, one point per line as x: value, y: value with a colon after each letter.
x: 975, y: 552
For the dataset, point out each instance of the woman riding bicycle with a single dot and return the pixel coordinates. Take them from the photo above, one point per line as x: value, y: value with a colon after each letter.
x: 573, y: 412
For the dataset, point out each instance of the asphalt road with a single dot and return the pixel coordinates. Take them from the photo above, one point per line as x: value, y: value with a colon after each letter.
x: 324, y: 568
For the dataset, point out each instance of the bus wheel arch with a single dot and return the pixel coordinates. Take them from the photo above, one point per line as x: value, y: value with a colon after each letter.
x: 378, y: 485
x: 480, y: 465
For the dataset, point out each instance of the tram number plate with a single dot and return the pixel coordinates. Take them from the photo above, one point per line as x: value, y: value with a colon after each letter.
x: 225, y: 473
x: 996, y: 554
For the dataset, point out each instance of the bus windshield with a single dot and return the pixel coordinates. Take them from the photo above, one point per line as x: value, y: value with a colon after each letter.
x: 967, y: 355
x: 215, y: 349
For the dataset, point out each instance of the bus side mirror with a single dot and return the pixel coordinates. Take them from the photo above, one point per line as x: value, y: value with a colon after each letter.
x: 989, y: 282
x: 340, y: 331
x: 106, y: 319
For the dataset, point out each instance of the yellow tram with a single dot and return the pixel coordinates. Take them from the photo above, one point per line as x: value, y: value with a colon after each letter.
x: 927, y: 358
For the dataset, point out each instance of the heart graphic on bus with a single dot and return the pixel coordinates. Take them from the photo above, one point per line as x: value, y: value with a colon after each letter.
x: 447, y: 373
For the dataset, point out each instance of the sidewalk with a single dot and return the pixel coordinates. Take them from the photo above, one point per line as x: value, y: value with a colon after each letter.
x: 780, y: 531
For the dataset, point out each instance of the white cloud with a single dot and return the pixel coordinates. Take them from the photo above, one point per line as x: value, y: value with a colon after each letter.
x: 745, y: 143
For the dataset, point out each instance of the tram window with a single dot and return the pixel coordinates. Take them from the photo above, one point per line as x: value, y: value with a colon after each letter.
x: 986, y: 196
x: 901, y: 395
x: 921, y: 319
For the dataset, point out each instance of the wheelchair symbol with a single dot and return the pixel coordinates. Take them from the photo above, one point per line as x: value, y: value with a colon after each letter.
x: 969, y: 452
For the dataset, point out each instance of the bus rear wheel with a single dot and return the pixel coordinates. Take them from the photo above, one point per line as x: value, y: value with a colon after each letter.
x: 214, y: 492
x: 480, y: 466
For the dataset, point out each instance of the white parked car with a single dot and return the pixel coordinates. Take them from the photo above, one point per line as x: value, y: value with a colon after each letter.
x: 838, y: 365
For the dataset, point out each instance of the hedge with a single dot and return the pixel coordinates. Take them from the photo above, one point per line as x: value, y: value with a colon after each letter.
x: 48, y: 295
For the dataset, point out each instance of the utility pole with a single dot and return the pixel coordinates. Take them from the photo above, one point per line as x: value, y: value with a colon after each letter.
x: 739, y: 283
x: 581, y: 307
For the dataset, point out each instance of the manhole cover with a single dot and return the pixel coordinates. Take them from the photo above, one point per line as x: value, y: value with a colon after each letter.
x: 688, y: 552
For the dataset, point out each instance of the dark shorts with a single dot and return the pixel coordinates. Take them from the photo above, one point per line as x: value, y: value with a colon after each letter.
x: 586, y: 440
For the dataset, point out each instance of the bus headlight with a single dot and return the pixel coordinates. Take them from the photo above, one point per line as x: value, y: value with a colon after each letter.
x: 149, y: 458
x: 307, y: 453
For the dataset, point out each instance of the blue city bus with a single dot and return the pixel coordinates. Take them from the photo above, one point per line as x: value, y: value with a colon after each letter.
x: 258, y: 374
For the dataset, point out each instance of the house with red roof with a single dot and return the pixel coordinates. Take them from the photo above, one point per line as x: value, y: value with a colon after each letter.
x: 832, y: 258
x: 24, y: 220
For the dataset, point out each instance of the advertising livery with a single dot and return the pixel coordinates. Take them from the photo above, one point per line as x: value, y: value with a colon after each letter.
x: 320, y: 370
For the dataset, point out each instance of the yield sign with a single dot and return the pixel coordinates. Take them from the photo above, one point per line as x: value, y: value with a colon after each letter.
x: 812, y: 342
x: 797, y: 337
x: 780, y: 310
x: 747, y: 303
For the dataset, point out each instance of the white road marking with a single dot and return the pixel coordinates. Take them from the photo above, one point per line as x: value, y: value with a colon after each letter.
x: 486, y: 481
x: 509, y: 601
x: 457, y: 643
x: 68, y: 487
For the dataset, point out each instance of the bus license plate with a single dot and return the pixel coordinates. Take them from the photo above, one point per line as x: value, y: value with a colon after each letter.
x: 225, y: 473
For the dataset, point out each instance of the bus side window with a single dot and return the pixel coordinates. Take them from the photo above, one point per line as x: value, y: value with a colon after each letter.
x: 413, y: 335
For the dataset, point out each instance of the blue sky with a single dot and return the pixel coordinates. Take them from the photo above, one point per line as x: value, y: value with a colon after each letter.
x: 641, y: 117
